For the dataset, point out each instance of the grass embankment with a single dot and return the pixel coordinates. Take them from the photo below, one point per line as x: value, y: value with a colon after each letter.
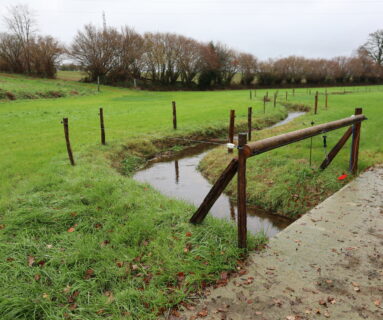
x: 16, y: 87
x: 282, y: 180
x: 85, y: 242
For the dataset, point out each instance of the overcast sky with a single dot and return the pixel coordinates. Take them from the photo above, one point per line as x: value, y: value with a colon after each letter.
x: 266, y: 28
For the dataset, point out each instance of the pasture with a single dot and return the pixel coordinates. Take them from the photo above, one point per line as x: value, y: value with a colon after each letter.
x: 86, y: 242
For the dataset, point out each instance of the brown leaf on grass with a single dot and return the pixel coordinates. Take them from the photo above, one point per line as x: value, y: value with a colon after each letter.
x: 2, y: 226
x: 101, y: 311
x: 378, y: 302
x: 73, y: 306
x: 41, y: 263
x: 10, y: 259
x: 188, y: 234
x: 89, y: 274
x: 71, y: 229
x: 110, y: 296
x: 31, y: 261
x: 37, y: 277
x: 120, y: 264
x: 180, y: 276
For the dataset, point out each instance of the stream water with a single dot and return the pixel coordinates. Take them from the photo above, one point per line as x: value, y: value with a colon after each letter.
x: 178, y: 177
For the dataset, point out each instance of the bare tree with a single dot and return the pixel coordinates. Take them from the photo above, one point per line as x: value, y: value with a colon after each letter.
x: 97, y: 50
x: 374, y: 46
x: 22, y: 24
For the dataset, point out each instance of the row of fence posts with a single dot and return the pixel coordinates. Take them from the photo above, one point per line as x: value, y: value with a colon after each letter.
x: 174, y: 110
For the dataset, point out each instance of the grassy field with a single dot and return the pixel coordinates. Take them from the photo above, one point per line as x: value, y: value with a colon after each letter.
x: 16, y: 87
x: 70, y: 75
x: 282, y: 180
x: 85, y: 242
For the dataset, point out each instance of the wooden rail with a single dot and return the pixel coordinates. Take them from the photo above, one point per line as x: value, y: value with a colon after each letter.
x: 268, y: 144
x: 254, y: 148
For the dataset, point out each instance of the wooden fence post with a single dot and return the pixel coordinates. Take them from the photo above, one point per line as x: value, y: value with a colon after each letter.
x: 241, y: 197
x: 174, y: 115
x: 293, y: 92
x: 249, y: 118
x: 251, y: 95
x: 231, y: 129
x: 326, y: 100
x: 255, y: 93
x: 355, y: 144
x: 316, y: 103
x: 286, y: 95
x: 102, y: 126
x: 68, y: 147
x: 214, y: 193
x: 98, y: 83
x: 275, y: 100
x: 264, y: 104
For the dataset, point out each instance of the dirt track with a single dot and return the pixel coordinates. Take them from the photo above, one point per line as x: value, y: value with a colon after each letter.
x: 326, y: 265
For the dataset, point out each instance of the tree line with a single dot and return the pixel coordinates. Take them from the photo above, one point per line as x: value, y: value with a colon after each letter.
x: 124, y: 56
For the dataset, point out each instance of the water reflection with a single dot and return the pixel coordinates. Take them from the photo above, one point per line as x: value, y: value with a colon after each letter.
x: 191, y: 186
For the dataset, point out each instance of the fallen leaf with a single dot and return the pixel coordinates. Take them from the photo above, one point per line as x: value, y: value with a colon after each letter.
x: 45, y: 296
x: 377, y: 302
x: 71, y: 229
x: 202, y: 313
x: 188, y: 234
x: 37, y: 277
x: 88, y: 274
x: 31, y: 261
x: 119, y: 264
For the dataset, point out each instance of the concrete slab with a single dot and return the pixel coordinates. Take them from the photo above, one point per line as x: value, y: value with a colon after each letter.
x: 328, y: 264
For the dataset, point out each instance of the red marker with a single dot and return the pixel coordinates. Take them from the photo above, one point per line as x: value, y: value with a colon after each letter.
x: 342, y: 177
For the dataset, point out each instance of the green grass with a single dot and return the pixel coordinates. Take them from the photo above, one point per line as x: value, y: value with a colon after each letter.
x: 16, y: 87
x: 70, y: 75
x: 282, y: 180
x: 132, y: 252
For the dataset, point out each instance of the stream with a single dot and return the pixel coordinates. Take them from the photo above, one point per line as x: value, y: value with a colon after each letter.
x: 178, y: 177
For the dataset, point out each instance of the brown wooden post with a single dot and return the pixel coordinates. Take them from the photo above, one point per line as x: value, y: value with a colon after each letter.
x: 249, y: 118
x: 174, y: 115
x: 355, y: 144
x: 214, y: 193
x: 275, y: 100
x: 267, y: 94
x: 286, y: 95
x: 68, y: 147
x: 316, y: 103
x: 102, y: 126
x: 241, y: 196
x: 264, y: 104
x: 293, y: 92
x: 231, y: 129
x: 251, y: 95
x: 326, y: 101
x: 255, y: 93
